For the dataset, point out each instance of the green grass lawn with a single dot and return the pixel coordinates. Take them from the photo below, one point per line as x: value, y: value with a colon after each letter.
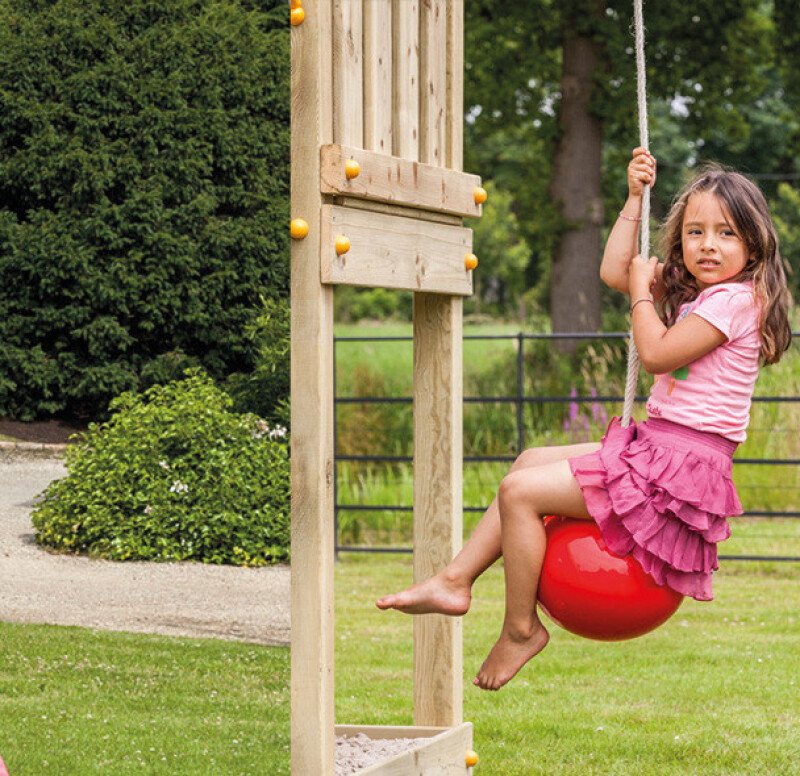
x: 79, y: 701
x: 714, y: 691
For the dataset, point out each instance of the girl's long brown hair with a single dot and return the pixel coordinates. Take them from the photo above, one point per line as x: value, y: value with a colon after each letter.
x: 748, y: 211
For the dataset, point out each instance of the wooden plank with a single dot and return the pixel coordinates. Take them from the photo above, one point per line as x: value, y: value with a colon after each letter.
x: 391, y: 179
x: 438, y: 393
x: 393, y: 252
x: 348, y: 90
x: 444, y: 755
x: 405, y: 79
x: 397, y: 210
x: 312, y: 658
x: 378, y: 76
x: 432, y: 75
x: 390, y: 731
x: 454, y: 99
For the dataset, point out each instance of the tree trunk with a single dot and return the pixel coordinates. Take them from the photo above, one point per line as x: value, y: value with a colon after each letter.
x: 576, y: 190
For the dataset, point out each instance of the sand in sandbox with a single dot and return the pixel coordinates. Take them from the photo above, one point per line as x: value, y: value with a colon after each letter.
x: 355, y: 753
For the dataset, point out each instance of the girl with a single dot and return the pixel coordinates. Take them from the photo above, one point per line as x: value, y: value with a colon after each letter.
x: 660, y: 491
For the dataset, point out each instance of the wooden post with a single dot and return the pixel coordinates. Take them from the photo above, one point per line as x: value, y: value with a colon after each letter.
x: 312, y: 724
x: 437, y: 500
x: 438, y: 694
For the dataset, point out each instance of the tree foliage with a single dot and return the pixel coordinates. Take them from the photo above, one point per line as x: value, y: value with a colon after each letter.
x: 713, y: 85
x: 144, y: 185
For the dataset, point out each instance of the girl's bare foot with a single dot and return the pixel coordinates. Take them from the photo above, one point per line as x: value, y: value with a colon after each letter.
x: 513, y: 649
x: 439, y: 594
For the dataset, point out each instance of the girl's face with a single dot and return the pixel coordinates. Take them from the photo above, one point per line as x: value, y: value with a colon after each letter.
x: 712, y: 249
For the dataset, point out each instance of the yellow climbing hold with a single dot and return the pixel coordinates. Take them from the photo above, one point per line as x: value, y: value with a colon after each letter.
x: 342, y: 245
x: 351, y: 168
x: 298, y: 228
x: 470, y: 261
x: 480, y: 195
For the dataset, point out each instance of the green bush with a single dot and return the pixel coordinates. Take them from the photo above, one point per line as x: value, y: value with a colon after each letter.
x: 265, y: 391
x: 173, y: 475
x: 144, y: 193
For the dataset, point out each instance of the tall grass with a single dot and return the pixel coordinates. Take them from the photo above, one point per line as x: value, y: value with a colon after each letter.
x: 371, y: 369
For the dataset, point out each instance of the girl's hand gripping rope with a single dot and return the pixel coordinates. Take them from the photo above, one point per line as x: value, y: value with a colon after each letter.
x: 641, y: 171
x: 642, y: 277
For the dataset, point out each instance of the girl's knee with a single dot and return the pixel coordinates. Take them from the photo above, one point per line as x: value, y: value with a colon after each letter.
x: 513, y: 488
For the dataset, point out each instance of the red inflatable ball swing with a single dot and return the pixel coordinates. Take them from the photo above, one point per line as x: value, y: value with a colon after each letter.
x: 592, y: 593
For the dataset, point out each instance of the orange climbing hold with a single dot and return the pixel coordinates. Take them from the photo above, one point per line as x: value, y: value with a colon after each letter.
x: 298, y: 228
x: 342, y: 245
x: 351, y: 168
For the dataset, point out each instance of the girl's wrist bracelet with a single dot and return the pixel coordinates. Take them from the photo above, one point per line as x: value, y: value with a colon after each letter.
x: 628, y: 218
x: 643, y: 299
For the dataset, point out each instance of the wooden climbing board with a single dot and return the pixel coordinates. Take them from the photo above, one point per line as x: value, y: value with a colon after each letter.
x: 378, y: 84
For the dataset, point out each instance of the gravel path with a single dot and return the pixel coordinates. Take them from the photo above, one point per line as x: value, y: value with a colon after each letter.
x: 179, y: 599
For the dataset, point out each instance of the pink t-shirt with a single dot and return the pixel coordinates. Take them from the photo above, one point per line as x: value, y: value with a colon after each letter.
x: 714, y: 393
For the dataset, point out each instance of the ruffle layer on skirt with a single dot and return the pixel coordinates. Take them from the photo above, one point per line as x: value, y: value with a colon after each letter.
x: 665, y: 506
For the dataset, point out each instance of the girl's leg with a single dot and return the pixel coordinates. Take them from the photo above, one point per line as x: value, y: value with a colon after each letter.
x: 448, y: 592
x: 524, y: 498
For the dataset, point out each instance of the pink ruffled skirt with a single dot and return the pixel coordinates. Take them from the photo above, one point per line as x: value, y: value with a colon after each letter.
x: 662, y: 492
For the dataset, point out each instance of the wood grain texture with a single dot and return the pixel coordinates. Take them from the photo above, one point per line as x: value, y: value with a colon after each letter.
x: 348, y: 81
x: 391, y: 179
x: 438, y: 396
x: 405, y: 79
x: 378, y: 76
x: 312, y: 658
x: 388, y: 251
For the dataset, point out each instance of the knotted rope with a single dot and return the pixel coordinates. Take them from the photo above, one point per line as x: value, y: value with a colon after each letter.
x: 641, y: 93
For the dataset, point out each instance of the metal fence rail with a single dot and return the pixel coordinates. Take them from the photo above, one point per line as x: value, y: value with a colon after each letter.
x: 520, y: 400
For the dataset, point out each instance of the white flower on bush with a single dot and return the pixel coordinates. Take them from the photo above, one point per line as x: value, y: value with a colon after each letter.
x: 148, y: 510
x: 265, y: 430
x: 163, y: 464
x: 178, y: 487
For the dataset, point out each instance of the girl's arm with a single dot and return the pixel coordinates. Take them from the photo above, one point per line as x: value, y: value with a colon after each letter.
x: 621, y: 247
x: 662, y: 350
x: 622, y: 243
